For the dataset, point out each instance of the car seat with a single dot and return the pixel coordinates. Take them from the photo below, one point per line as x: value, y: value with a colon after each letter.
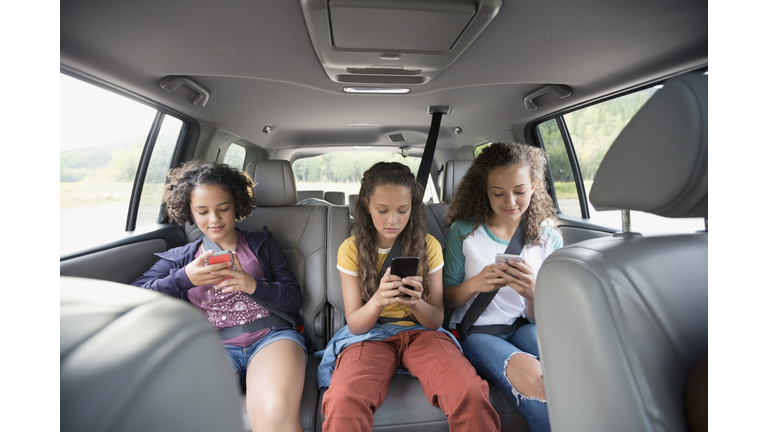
x: 622, y: 320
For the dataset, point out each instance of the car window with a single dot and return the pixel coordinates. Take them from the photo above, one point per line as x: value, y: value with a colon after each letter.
x: 342, y: 171
x: 235, y: 156
x: 103, y: 136
x: 150, y: 204
x: 591, y: 131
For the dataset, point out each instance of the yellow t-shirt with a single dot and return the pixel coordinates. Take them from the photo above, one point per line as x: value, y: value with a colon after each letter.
x: 347, y: 263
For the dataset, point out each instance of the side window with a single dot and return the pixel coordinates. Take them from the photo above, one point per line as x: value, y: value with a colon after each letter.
x: 591, y: 131
x: 342, y: 172
x: 566, y: 196
x: 103, y: 136
x: 150, y: 204
x: 235, y: 156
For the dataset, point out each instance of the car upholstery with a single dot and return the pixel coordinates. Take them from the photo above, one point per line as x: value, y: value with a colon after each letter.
x: 137, y: 360
x: 623, y: 319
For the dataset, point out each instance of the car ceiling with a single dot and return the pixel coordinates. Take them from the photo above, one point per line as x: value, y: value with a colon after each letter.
x: 257, y: 60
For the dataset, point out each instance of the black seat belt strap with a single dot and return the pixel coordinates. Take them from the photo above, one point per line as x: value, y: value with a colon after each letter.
x: 429, y: 147
x: 482, y: 300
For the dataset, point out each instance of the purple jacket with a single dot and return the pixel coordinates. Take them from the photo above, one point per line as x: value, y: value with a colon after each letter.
x: 279, y: 287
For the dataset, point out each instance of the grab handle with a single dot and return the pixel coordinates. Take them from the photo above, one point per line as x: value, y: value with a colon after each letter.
x: 562, y: 91
x: 172, y: 82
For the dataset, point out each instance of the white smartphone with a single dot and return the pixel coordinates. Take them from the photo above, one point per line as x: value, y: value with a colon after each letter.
x: 507, y: 258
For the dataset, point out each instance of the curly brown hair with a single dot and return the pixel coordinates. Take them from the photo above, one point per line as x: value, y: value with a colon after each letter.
x: 471, y: 199
x: 413, y: 238
x: 184, y: 179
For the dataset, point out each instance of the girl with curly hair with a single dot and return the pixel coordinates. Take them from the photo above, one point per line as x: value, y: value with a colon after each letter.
x: 504, y: 189
x: 254, y: 305
x: 394, y: 323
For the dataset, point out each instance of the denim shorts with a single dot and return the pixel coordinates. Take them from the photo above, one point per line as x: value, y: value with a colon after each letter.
x: 240, y: 357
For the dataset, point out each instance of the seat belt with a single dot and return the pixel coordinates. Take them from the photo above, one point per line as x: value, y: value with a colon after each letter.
x: 466, y: 327
x: 281, y: 319
x: 429, y: 148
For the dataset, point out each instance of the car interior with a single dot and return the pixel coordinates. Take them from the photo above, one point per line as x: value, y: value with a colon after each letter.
x: 284, y: 82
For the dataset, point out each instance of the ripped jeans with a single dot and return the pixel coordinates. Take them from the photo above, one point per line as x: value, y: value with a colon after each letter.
x: 489, y: 355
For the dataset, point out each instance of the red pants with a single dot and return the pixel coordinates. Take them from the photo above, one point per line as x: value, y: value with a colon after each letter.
x: 364, y: 370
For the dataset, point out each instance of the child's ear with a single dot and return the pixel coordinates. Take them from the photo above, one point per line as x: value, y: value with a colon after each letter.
x: 365, y: 204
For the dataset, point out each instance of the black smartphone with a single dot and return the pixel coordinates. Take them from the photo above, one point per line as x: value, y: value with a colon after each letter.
x: 404, y: 267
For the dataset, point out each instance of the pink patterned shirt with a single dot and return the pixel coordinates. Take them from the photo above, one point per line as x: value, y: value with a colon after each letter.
x: 235, y: 308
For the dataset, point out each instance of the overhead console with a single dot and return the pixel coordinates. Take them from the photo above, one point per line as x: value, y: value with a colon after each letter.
x: 393, y: 42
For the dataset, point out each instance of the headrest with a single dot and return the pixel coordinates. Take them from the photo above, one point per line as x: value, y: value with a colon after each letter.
x: 275, y: 183
x: 334, y: 197
x: 453, y: 172
x: 658, y: 163
x: 352, y: 201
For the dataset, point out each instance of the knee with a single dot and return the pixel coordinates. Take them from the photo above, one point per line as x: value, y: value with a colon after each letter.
x: 275, y: 410
x: 525, y: 375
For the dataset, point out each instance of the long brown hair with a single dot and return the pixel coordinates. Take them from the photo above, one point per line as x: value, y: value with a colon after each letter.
x: 413, y: 238
x: 471, y: 198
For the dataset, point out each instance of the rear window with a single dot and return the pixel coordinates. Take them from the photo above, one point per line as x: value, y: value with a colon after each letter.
x: 342, y: 172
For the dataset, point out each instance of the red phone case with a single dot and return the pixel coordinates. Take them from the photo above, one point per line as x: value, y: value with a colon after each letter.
x: 220, y: 257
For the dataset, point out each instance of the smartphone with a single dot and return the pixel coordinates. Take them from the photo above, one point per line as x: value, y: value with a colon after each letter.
x: 507, y: 258
x: 220, y: 257
x: 404, y: 267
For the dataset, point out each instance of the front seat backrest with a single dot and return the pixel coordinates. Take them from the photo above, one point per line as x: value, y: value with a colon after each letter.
x: 622, y: 320
x: 137, y: 360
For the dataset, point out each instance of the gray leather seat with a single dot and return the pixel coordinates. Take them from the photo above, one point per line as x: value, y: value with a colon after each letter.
x: 304, y: 194
x: 301, y: 231
x: 352, y: 201
x: 137, y: 360
x: 335, y: 197
x: 453, y: 172
x: 622, y: 320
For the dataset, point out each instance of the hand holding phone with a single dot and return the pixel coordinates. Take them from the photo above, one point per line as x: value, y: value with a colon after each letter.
x: 507, y: 258
x: 220, y: 257
x: 405, y: 267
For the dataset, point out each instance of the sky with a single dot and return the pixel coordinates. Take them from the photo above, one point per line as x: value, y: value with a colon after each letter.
x: 90, y: 115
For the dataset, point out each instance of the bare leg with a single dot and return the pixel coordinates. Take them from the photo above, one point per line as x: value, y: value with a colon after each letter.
x: 525, y: 375
x: 275, y: 381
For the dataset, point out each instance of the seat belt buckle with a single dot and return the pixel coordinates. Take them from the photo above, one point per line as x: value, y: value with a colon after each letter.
x: 301, y: 329
x: 455, y: 333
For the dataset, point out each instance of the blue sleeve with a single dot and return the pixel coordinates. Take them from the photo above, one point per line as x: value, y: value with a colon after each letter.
x: 453, y: 273
x: 166, y: 276
x: 281, y: 290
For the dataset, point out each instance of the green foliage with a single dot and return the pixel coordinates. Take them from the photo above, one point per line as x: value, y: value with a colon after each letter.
x: 594, y: 129
x: 559, y: 163
x: 113, y: 162
x: 479, y: 149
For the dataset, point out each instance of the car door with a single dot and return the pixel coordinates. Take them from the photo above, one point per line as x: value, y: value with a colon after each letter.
x: 576, y: 142
x: 115, y: 153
